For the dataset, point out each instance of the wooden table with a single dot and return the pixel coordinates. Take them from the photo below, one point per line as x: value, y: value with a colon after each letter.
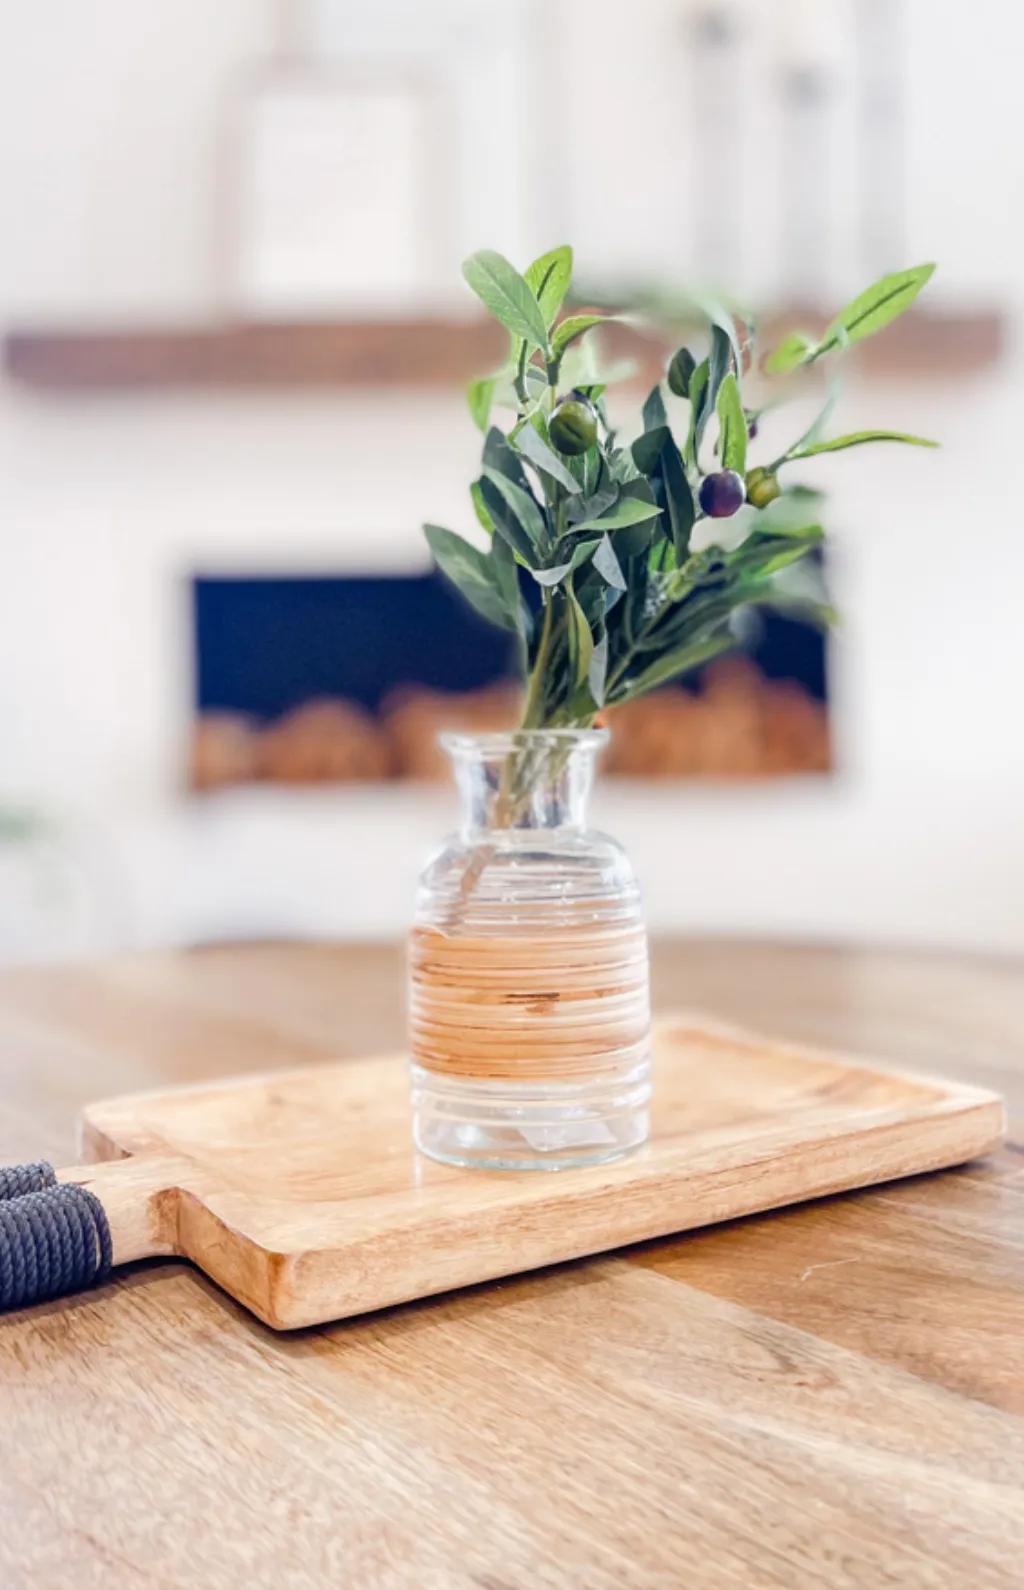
x: 825, y: 1398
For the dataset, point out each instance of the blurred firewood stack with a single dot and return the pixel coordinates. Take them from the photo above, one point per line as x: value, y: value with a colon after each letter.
x: 414, y: 718
x: 325, y: 742
x: 739, y: 725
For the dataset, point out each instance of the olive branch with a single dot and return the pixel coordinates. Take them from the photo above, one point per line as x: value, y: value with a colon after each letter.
x: 622, y: 602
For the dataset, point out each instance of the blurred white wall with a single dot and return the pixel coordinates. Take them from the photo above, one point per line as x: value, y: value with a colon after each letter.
x: 115, y: 161
x: 112, y: 206
x: 629, y: 196
x: 114, y: 203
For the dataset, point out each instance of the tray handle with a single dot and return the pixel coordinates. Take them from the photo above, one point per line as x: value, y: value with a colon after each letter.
x: 63, y: 1231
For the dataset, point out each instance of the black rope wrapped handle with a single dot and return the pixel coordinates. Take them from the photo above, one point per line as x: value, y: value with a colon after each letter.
x: 54, y: 1236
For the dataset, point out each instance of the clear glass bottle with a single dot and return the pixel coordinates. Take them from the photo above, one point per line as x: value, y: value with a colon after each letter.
x: 529, y: 1005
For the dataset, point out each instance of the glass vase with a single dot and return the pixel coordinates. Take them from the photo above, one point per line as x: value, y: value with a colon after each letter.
x: 529, y: 1005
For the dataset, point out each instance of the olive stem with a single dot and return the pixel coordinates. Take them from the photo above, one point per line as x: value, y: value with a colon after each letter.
x: 520, y: 378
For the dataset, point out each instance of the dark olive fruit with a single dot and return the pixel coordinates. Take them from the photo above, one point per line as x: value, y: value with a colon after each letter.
x: 722, y: 494
x: 762, y: 487
x: 573, y: 427
x: 751, y: 429
x: 680, y: 372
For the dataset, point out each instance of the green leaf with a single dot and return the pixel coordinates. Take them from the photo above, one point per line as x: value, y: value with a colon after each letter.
x: 634, y: 603
x: 607, y: 564
x: 875, y: 307
x: 548, y: 278
x: 704, y: 390
x: 674, y: 663
x: 590, y: 471
x: 522, y: 504
x: 654, y: 410
x: 596, y: 472
x: 597, y: 673
x: 761, y: 555
x: 791, y: 352
x: 480, y: 507
x: 471, y: 571
x: 657, y: 456
x: 506, y: 578
x: 638, y: 490
x: 583, y: 508
x: 633, y: 542
x: 554, y: 576
x: 682, y: 510
x: 533, y: 447
x: 698, y: 397
x: 857, y: 439
x: 627, y: 511
x: 593, y: 595
x: 572, y: 328
x: 732, y: 446
x: 499, y: 454
x: 479, y: 397
x: 507, y: 295
x: 722, y: 320
x: 720, y: 363
x: 508, y: 525
x: 621, y: 466
x: 647, y: 448
x: 581, y: 640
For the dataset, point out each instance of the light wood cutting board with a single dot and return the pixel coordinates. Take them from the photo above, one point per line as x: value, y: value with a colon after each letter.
x: 301, y: 1195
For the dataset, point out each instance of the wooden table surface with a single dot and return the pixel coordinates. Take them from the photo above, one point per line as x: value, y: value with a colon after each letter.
x: 826, y: 1397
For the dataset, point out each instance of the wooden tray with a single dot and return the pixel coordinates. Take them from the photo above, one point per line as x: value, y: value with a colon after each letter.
x: 300, y: 1193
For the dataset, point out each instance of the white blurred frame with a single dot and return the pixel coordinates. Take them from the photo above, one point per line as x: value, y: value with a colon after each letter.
x: 338, y: 194
x: 499, y: 71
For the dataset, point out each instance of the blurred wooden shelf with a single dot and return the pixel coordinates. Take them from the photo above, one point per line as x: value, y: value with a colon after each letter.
x: 418, y: 353
x: 336, y: 354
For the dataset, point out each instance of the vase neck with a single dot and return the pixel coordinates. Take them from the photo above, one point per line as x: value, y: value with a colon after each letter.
x: 537, y: 779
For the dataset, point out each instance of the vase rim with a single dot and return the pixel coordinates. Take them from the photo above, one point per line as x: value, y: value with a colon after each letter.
x: 504, y: 742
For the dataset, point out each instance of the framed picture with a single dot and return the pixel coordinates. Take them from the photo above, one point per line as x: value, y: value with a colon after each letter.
x: 339, y: 201
x: 500, y: 80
